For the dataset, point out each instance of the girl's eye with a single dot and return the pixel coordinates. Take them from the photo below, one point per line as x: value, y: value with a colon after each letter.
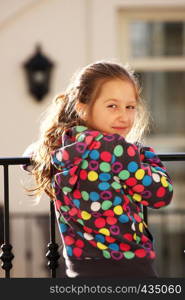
x: 131, y: 106
x: 112, y: 105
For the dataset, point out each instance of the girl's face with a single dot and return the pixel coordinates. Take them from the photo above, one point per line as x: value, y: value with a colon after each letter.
x: 114, y: 109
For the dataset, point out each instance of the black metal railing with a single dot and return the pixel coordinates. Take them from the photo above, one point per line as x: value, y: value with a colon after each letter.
x: 29, y: 245
x: 52, y: 253
x: 7, y: 255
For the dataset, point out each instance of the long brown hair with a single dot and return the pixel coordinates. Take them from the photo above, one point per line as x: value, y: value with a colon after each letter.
x: 62, y: 114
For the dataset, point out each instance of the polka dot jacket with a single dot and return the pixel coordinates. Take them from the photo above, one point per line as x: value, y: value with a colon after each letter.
x: 101, y: 183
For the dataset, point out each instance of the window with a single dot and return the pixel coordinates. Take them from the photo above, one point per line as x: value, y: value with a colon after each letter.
x: 153, y: 42
x: 165, y: 93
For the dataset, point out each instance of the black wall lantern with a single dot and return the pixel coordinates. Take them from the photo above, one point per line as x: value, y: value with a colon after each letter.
x: 38, y: 72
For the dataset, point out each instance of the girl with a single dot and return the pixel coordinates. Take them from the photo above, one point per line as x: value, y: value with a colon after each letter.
x: 90, y: 161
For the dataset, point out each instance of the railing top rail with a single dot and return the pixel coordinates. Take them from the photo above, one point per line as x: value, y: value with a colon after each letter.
x: 179, y: 156
x: 172, y: 156
x: 14, y: 160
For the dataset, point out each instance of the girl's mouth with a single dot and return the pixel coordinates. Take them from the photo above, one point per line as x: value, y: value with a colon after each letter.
x: 120, y: 128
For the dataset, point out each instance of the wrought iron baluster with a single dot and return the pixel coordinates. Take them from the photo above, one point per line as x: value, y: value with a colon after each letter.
x: 6, y: 255
x: 52, y: 254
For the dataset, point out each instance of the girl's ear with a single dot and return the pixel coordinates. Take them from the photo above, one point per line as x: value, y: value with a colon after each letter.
x: 81, y: 109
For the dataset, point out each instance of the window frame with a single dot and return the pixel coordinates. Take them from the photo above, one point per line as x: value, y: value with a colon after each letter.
x: 149, y: 63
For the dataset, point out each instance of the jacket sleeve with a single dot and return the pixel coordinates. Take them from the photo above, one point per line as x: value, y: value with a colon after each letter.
x: 163, y: 185
x: 144, y: 177
x: 139, y: 171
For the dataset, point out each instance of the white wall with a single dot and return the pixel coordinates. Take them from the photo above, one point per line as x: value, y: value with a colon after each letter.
x: 60, y: 27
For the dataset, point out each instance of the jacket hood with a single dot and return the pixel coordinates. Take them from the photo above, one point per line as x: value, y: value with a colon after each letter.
x: 75, y: 145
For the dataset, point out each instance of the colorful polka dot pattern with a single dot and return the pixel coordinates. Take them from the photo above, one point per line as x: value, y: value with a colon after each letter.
x: 101, y: 182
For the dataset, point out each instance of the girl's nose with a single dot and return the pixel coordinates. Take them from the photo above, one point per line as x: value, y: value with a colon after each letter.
x: 123, y: 116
